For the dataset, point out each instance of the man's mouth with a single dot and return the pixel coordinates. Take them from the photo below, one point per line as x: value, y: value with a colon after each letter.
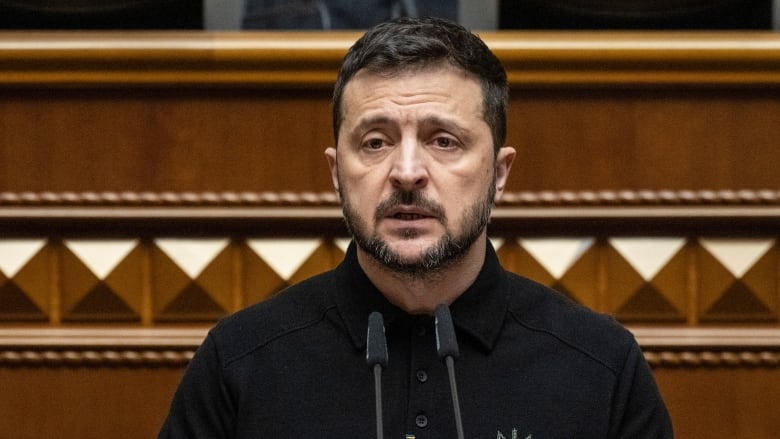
x: 411, y: 206
x: 409, y: 216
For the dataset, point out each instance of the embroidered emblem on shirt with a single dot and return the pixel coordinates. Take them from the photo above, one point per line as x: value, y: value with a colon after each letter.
x: 514, y: 435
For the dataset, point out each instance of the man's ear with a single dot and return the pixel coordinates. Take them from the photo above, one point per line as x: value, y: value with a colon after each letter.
x: 330, y: 155
x: 504, y: 160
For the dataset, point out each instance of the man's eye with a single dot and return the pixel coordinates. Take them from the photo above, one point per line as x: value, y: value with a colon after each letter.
x: 444, y: 142
x: 374, y: 143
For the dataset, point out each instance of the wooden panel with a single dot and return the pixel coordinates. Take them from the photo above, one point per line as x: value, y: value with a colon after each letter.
x: 629, y: 139
x: 722, y: 402
x: 85, y: 402
x: 93, y: 383
x: 251, y: 112
x: 163, y: 140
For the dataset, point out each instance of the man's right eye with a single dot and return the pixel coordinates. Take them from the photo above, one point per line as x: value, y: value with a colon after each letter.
x: 374, y: 143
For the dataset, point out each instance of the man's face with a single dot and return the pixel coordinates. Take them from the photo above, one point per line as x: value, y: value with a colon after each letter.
x: 415, y: 168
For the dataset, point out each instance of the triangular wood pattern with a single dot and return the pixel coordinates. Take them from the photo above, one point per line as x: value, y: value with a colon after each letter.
x: 33, y: 281
x: 723, y: 298
x: 151, y: 287
x: 203, y: 299
x: 15, y: 305
x: 87, y: 298
x: 259, y: 280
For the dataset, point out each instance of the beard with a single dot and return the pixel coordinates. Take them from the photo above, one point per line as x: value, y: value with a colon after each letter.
x: 448, y: 250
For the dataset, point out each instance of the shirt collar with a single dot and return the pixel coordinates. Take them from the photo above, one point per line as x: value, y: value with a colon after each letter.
x: 479, y: 311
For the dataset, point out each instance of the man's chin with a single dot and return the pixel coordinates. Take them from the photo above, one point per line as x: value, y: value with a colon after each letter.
x: 412, y: 250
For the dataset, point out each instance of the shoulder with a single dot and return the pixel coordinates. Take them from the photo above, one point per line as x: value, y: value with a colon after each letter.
x: 548, y: 312
x: 296, y: 307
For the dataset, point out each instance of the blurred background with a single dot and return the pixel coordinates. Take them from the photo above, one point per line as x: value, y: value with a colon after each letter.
x: 343, y: 14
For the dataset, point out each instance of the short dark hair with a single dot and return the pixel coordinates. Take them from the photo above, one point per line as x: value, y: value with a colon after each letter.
x: 409, y: 43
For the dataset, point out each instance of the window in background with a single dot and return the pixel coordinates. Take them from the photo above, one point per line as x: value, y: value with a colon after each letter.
x: 101, y: 14
x: 338, y: 14
x: 636, y: 14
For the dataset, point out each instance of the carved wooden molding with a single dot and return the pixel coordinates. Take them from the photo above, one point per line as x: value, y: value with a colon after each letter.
x: 717, y: 338
x: 768, y: 197
x: 657, y: 359
x: 694, y: 348
x: 116, y: 347
x: 172, y: 199
x: 740, y: 212
x: 310, y: 59
x: 92, y: 358
x: 710, y: 359
x: 691, y: 348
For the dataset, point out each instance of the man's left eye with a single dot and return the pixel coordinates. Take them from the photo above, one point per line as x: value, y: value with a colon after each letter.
x: 444, y: 142
x: 375, y: 143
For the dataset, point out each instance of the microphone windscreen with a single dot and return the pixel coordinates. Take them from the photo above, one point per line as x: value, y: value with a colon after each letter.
x: 376, y: 345
x: 446, y: 343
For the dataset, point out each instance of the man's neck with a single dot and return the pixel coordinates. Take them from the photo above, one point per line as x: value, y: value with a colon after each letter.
x: 421, y: 293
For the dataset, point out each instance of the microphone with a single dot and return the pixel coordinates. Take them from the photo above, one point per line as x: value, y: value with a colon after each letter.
x: 376, y: 357
x: 447, y: 348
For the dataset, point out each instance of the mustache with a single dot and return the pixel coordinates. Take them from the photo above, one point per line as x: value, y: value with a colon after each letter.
x: 408, y: 198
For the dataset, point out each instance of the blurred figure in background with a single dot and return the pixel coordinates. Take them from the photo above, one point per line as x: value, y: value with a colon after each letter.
x: 339, y: 14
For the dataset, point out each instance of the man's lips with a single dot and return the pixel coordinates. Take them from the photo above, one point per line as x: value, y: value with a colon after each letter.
x: 410, y: 214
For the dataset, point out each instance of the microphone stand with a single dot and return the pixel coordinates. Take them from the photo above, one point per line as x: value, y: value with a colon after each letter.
x: 447, y: 348
x: 378, y: 393
x: 450, y: 362
x: 376, y: 357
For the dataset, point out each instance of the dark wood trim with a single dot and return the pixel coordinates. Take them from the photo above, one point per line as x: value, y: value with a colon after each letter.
x: 765, y: 197
x: 310, y: 59
x: 745, y: 213
x: 173, y: 347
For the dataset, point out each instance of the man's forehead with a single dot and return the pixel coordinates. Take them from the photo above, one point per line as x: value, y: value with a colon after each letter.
x: 366, y: 83
x: 365, y: 76
x: 410, y: 70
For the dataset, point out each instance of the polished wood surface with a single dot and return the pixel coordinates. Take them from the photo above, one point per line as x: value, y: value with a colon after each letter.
x: 310, y: 59
x: 68, y: 380
x: 251, y: 111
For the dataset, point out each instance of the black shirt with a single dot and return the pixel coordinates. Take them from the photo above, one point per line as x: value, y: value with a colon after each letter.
x: 533, y: 364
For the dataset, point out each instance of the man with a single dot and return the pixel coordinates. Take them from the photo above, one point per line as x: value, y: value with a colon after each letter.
x: 419, y: 120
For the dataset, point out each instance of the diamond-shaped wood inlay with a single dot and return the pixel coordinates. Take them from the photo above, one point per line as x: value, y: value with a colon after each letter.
x: 647, y: 278
x: 101, y: 280
x: 565, y: 264
x: 738, y: 280
x: 637, y: 279
x: 193, y: 279
x: 25, y: 280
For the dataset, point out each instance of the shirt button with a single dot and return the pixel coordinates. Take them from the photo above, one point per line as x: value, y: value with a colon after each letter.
x: 421, y: 421
x: 422, y: 376
x: 421, y: 330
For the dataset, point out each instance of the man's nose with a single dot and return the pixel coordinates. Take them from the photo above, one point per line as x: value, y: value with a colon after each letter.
x: 409, y: 170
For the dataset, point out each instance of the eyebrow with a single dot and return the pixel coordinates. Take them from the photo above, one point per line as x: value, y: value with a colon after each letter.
x: 437, y: 121
x: 365, y: 123
x: 445, y: 123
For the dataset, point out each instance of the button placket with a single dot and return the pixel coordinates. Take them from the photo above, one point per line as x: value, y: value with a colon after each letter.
x: 423, y: 356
